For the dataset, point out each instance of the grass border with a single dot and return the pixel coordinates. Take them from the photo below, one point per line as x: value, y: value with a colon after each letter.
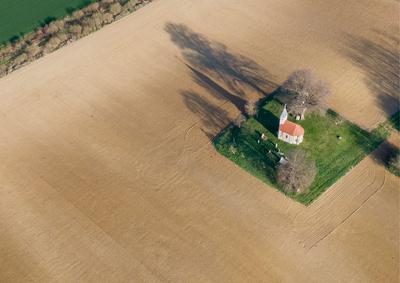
x: 377, y: 136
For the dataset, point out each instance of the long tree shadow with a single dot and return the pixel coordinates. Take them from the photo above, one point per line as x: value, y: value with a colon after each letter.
x: 223, y: 74
x: 216, y: 61
x: 383, y: 154
x: 212, y: 117
x: 379, y: 59
x: 216, y: 90
x: 378, y: 56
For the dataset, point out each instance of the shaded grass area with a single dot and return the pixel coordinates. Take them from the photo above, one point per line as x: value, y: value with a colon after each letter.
x: 395, y: 171
x: 335, y: 144
x: 394, y: 121
x: 391, y: 158
x: 18, y: 17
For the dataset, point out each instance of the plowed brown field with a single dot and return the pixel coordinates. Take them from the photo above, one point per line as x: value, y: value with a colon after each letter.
x: 107, y: 173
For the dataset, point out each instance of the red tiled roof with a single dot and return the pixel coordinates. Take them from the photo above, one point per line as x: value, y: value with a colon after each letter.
x: 292, y: 129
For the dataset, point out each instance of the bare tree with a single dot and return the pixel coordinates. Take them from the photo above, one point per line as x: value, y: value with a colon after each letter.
x: 308, y: 92
x: 77, y: 15
x: 87, y: 28
x: 62, y: 36
x: 108, y: 18
x: 20, y: 59
x: 92, y: 8
x: 130, y: 4
x: 54, y: 27
x: 75, y: 30
x: 89, y: 25
x: 53, y: 43
x: 106, y: 2
x: 115, y: 8
x: 32, y: 50
x: 97, y: 20
x: 239, y: 120
x: 3, y: 69
x: 297, y: 174
x: 251, y: 108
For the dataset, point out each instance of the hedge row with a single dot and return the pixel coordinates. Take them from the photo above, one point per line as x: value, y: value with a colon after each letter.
x: 60, y: 32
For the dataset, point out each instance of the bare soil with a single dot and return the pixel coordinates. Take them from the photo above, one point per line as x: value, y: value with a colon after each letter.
x: 108, y: 173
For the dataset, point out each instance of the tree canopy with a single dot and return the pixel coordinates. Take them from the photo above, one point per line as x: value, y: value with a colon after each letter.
x: 307, y: 92
x: 297, y: 174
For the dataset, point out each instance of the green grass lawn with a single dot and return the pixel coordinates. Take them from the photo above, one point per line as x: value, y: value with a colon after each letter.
x: 333, y: 156
x: 23, y: 16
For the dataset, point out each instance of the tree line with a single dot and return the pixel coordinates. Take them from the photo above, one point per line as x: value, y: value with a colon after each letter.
x: 58, y: 33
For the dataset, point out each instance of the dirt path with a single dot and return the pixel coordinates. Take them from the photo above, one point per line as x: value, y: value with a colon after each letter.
x: 107, y: 169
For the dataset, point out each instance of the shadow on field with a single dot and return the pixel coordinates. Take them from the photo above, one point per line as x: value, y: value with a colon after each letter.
x: 223, y: 74
x: 216, y: 90
x: 212, y: 117
x: 214, y: 60
x: 378, y: 57
x: 384, y: 154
